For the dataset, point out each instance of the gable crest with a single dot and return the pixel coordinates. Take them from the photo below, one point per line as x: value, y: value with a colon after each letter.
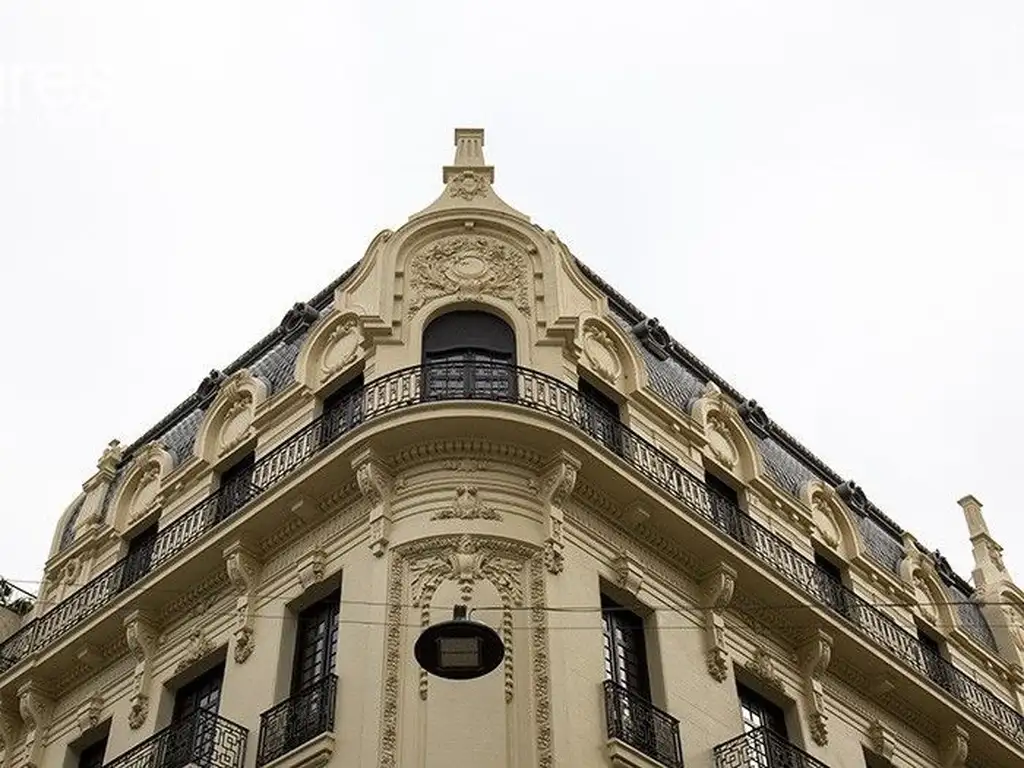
x: 465, y: 267
x: 727, y: 438
x: 228, y: 421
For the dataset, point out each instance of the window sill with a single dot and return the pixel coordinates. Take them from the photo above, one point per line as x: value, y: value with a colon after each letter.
x: 315, y: 753
x: 622, y: 755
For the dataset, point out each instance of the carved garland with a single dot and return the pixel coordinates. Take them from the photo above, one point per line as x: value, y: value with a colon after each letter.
x: 467, y: 559
x: 466, y: 563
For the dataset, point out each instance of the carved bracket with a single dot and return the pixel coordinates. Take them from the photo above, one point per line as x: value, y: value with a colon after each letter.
x: 630, y: 573
x: 243, y: 569
x: 377, y: 485
x: 881, y: 740
x: 89, y: 714
x: 141, y: 635
x: 953, y: 747
x: 556, y: 485
x: 815, y: 656
x: 36, y: 708
x: 9, y: 726
x: 717, y: 587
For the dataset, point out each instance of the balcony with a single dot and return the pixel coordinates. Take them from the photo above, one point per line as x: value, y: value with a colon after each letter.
x: 634, y: 720
x: 203, y: 739
x: 297, y: 721
x: 763, y: 748
x: 495, y: 382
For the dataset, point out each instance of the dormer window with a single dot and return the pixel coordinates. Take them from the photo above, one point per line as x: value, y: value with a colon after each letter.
x: 469, y: 355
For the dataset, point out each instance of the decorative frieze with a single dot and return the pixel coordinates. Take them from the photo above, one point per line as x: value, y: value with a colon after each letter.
x: 467, y: 505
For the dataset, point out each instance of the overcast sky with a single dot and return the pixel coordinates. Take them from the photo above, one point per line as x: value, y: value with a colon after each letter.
x: 821, y: 200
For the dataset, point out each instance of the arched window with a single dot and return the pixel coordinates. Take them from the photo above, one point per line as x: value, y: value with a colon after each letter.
x: 469, y: 355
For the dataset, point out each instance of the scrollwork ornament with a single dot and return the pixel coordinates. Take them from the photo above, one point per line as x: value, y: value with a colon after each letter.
x: 467, y: 505
x: 467, y: 185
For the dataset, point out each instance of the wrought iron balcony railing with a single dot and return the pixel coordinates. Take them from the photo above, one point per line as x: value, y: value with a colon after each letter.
x: 634, y: 720
x: 202, y: 739
x: 763, y: 748
x: 297, y: 720
x: 468, y: 380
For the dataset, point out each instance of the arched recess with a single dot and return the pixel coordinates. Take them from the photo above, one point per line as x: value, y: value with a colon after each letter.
x: 834, y: 526
x: 332, y: 347
x: 418, y: 325
x: 468, y: 353
x: 140, y: 491
x: 931, y: 601
x: 727, y: 437
x: 604, y: 350
x: 228, y: 421
x: 64, y: 533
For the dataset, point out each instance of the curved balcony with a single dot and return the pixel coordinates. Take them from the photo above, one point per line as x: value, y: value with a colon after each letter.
x: 495, y: 382
x: 297, y: 720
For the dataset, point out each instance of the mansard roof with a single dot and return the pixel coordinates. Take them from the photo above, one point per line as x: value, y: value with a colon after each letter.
x: 675, y: 374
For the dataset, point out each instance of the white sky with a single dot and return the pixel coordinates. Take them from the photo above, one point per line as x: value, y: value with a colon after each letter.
x: 822, y: 200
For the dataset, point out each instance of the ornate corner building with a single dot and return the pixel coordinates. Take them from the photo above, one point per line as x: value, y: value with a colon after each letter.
x: 470, y: 416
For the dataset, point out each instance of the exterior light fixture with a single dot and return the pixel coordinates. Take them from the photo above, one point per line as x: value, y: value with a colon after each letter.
x: 460, y: 649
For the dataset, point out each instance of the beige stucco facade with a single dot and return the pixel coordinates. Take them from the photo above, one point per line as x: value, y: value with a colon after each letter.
x: 508, y: 506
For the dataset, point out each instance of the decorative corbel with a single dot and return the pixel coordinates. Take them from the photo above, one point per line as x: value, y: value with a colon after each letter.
x: 881, y: 739
x: 717, y: 587
x: 35, y: 708
x: 243, y: 569
x: 629, y: 571
x: 953, y: 747
x: 9, y: 727
x: 377, y: 485
x: 142, y: 638
x: 815, y: 656
x: 310, y: 568
x: 556, y: 484
x: 89, y: 714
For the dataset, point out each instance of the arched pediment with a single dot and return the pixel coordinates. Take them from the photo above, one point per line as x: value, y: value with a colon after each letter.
x: 931, y: 602
x: 331, y: 348
x: 140, y: 491
x: 728, y: 439
x: 834, y: 525
x: 604, y: 350
x: 228, y: 420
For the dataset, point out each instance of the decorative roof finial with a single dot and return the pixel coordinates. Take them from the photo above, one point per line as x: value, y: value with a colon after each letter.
x: 989, y: 568
x: 469, y: 155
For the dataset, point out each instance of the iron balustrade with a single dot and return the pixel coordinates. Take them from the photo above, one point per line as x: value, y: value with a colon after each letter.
x: 634, y: 720
x: 499, y: 382
x: 203, y: 739
x: 763, y: 748
x: 297, y: 720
